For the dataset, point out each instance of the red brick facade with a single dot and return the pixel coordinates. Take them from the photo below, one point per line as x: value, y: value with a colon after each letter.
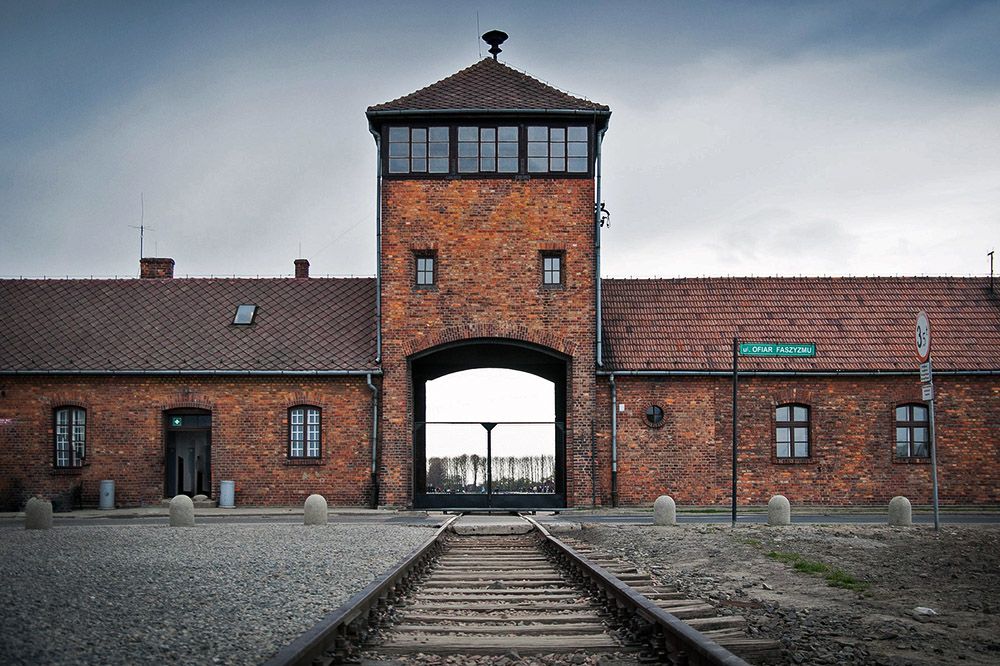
x: 852, y: 458
x: 125, y: 437
x: 487, y: 236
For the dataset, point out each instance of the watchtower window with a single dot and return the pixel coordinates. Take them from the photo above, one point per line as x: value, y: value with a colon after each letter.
x: 554, y: 149
x: 425, y: 270
x: 418, y: 150
x: 552, y: 269
x: 487, y: 149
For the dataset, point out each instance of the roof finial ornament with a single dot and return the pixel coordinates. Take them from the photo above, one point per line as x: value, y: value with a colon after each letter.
x: 495, y: 38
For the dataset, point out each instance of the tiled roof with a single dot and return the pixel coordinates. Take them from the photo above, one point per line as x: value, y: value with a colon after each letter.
x: 311, y: 324
x: 488, y: 85
x: 856, y: 323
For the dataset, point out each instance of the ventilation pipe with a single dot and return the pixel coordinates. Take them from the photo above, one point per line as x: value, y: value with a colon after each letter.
x: 614, y: 441
x: 374, y: 470
x: 378, y: 243
x: 597, y: 248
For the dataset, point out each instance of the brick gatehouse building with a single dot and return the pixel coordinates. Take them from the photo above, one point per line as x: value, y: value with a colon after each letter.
x: 488, y: 227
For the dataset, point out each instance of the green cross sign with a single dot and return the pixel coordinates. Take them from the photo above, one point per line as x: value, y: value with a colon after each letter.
x: 177, y: 421
x: 793, y: 349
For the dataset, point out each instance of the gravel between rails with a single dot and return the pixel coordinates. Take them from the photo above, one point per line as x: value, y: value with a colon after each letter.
x: 211, y: 594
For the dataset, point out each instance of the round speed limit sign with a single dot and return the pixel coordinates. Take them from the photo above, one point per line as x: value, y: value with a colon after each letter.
x: 923, y: 337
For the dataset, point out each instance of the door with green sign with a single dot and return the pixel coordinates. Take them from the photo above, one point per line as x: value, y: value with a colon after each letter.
x: 188, y: 453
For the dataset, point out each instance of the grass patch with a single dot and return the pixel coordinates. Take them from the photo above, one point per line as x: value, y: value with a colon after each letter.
x: 838, y: 578
x: 808, y: 566
x: 787, y: 558
x: 834, y: 577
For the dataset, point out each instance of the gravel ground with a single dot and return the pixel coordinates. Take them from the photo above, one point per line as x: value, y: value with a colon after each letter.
x: 888, y: 573
x: 230, y: 594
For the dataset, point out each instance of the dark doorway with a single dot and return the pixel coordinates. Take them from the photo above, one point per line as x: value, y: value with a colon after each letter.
x: 188, y: 453
x: 473, y: 449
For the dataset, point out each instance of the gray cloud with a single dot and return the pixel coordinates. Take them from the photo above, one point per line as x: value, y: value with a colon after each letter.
x: 870, y: 128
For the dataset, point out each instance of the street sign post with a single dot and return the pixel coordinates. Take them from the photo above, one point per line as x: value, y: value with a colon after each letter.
x: 792, y: 349
x: 925, y: 372
x: 759, y: 349
x: 922, y: 337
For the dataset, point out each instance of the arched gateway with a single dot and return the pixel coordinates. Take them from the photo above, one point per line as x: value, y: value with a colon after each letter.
x: 467, y: 454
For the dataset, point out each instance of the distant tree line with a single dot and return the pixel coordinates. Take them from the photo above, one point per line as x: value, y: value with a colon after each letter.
x: 511, y: 474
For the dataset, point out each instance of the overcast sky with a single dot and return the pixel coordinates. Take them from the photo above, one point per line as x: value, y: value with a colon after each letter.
x: 746, y: 138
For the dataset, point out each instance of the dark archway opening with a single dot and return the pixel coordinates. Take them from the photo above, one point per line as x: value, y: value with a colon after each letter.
x: 484, y: 459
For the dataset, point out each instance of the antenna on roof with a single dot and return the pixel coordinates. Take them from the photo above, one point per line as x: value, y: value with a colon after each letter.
x: 142, y: 222
x: 495, y: 38
x: 477, y: 32
x: 990, y: 255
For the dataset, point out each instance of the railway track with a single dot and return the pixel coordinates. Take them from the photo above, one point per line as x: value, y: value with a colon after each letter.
x: 526, y: 594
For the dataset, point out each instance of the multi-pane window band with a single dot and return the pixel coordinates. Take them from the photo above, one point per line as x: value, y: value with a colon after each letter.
x: 557, y: 149
x: 304, y: 432
x: 71, y: 436
x: 488, y: 149
x: 418, y: 150
x: 791, y: 431
x: 425, y: 275
x: 552, y: 269
x: 912, y: 431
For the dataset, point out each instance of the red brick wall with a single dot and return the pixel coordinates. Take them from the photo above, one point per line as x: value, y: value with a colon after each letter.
x: 126, y: 439
x: 487, y: 235
x: 852, y: 445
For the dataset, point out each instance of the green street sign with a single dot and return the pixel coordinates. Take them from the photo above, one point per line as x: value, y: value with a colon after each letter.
x: 176, y: 421
x: 794, y: 349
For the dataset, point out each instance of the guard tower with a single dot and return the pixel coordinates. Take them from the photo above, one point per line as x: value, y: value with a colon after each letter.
x: 488, y: 257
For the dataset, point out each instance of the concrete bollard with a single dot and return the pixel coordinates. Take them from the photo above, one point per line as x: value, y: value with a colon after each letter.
x: 38, y: 514
x: 779, y: 511
x: 181, y: 511
x: 664, y: 511
x: 900, y: 512
x: 315, y: 510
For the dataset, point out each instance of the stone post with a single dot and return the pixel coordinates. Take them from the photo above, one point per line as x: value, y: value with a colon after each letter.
x: 181, y: 511
x: 38, y: 514
x: 779, y: 511
x: 900, y: 512
x: 315, y: 510
x: 664, y: 511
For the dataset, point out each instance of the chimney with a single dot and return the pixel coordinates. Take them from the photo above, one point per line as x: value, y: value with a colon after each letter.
x: 301, y: 268
x: 154, y: 267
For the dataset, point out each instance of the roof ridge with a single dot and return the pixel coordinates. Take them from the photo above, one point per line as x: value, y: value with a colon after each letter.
x: 488, y: 85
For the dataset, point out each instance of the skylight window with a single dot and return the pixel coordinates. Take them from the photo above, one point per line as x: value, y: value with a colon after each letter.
x: 245, y: 314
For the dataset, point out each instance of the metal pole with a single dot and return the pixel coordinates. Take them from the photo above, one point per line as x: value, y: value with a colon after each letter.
x: 489, y: 462
x: 937, y: 521
x: 736, y: 434
x: 614, y: 442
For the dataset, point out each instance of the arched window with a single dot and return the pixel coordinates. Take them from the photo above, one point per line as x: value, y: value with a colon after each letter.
x: 71, y: 436
x: 912, y: 431
x: 791, y: 431
x: 304, y: 432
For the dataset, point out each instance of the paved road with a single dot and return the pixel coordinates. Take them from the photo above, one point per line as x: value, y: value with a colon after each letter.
x: 647, y: 519
x: 420, y: 520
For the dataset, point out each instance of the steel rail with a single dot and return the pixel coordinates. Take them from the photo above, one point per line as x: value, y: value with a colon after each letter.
x: 680, y: 643
x: 335, y: 626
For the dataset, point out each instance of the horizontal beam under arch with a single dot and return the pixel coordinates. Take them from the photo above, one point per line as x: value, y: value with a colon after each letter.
x: 478, y: 353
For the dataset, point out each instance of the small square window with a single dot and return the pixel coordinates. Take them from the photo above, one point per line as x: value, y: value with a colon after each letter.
x: 552, y: 273
x: 425, y: 276
x: 245, y: 314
